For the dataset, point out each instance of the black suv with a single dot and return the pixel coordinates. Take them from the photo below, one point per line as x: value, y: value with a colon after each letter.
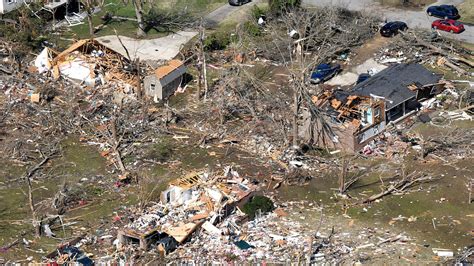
x: 443, y: 11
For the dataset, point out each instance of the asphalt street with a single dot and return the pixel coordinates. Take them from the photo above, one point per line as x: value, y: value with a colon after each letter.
x: 414, y: 19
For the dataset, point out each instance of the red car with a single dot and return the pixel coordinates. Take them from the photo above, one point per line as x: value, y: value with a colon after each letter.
x: 450, y: 25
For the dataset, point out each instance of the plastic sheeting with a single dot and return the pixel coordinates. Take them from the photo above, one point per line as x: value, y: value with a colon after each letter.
x: 79, y: 70
x: 42, y: 61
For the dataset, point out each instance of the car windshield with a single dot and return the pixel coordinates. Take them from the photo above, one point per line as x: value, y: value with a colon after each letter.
x: 323, y: 67
x: 456, y: 23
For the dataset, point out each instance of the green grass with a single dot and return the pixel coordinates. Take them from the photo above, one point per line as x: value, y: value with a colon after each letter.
x: 466, y: 10
x: 129, y: 28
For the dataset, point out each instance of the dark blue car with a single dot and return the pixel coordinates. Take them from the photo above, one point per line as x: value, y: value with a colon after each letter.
x: 324, y: 72
x: 443, y: 11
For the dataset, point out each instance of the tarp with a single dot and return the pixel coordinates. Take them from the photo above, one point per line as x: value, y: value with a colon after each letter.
x: 42, y: 61
x: 79, y: 70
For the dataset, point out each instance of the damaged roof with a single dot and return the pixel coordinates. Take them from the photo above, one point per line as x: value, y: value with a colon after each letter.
x: 392, y: 83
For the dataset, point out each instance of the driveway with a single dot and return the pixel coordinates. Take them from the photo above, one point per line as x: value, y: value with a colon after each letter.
x: 414, y: 19
x: 159, y: 49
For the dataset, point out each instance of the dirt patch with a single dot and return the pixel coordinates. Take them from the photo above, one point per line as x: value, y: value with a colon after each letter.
x: 466, y: 10
x: 368, y: 49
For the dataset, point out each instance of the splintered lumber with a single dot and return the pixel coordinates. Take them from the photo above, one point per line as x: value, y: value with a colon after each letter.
x: 446, y: 62
x: 181, y: 233
x: 442, y: 52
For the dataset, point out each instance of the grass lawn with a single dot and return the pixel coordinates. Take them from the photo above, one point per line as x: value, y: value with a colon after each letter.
x: 129, y: 28
x: 466, y: 10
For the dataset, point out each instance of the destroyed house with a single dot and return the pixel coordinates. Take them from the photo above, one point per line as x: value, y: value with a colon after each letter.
x: 88, y: 62
x: 355, y: 117
x: 165, y: 80
x: 353, y: 120
x: 189, y: 203
x: 401, y: 86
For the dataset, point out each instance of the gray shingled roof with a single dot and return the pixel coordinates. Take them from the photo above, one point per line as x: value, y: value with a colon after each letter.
x: 391, y: 83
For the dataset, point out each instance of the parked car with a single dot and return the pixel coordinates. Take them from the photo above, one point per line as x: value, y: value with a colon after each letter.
x: 238, y: 2
x: 443, y: 11
x: 324, y: 72
x: 450, y: 25
x: 392, y: 28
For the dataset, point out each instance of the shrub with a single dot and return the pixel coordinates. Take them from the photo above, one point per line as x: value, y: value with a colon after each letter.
x: 218, y: 40
x: 27, y: 31
x: 258, y: 203
x: 160, y: 151
x: 252, y: 29
x: 257, y: 12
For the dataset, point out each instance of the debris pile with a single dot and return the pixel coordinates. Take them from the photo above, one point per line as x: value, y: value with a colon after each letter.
x: 423, y: 47
x: 191, y: 202
x: 267, y: 238
x: 284, y: 236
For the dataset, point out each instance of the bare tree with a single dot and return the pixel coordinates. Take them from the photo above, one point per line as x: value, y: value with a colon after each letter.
x: 401, y: 185
x: 346, y: 177
x: 28, y: 176
x: 304, y: 39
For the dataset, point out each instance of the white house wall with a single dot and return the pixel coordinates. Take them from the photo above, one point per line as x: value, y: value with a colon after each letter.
x: 9, y: 5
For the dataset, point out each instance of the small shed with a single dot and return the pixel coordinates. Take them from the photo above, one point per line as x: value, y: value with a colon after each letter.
x: 165, y: 80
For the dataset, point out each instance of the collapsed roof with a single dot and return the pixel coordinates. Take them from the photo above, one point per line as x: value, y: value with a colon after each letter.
x: 87, y: 61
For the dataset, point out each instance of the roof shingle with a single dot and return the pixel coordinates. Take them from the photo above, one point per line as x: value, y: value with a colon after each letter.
x: 392, y: 83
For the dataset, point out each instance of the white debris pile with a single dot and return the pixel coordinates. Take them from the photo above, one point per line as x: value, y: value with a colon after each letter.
x: 188, y: 203
x: 290, y: 234
x: 266, y: 238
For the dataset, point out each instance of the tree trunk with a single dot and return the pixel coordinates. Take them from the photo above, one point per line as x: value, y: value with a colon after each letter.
x: 295, y: 116
x: 91, y: 25
x: 137, y: 4
x: 342, y: 176
x: 35, y: 222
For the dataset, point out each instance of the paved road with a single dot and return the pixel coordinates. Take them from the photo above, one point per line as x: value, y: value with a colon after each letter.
x: 414, y: 19
x: 220, y: 14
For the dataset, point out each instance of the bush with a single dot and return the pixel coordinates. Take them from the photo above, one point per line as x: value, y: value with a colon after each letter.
x: 257, y: 12
x: 252, y: 29
x: 258, y: 203
x: 217, y: 41
x: 160, y: 151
